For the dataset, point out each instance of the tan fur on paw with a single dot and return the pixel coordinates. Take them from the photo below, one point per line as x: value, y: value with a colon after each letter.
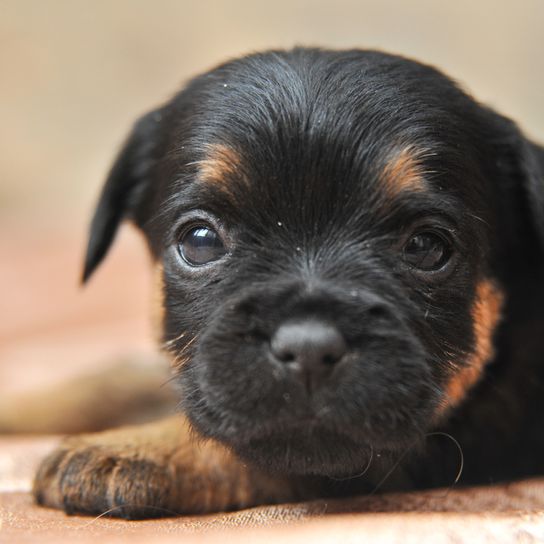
x: 151, y: 470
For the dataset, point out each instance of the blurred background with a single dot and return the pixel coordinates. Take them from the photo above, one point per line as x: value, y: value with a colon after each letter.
x: 74, y: 74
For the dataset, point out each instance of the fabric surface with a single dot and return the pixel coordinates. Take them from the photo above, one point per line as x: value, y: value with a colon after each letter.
x: 507, y: 513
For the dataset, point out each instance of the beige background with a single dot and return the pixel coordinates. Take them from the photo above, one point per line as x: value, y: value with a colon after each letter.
x: 73, y: 76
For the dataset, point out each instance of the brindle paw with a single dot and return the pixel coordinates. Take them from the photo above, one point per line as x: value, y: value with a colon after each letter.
x: 87, y: 479
x: 152, y: 470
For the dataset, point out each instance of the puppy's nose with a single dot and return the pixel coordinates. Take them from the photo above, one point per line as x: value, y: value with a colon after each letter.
x: 310, y: 347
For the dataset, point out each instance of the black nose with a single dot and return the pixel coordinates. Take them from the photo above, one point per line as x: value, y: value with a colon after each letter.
x: 310, y: 347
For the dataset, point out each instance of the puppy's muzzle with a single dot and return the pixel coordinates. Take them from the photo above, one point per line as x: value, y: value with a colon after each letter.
x: 305, y: 366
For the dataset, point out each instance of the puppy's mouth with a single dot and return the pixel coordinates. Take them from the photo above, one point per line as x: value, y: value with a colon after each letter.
x: 313, y: 394
x: 304, y: 437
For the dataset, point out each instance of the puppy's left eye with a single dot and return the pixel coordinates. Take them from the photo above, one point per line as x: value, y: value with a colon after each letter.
x: 201, y: 245
x: 427, y: 251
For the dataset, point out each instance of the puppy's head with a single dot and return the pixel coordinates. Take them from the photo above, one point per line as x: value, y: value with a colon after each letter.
x: 329, y: 229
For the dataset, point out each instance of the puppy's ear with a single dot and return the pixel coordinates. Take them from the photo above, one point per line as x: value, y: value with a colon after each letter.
x: 123, y: 189
x: 533, y: 159
x: 521, y: 163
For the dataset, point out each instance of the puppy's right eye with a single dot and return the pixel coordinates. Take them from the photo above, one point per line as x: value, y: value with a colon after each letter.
x: 426, y: 251
x: 201, y: 245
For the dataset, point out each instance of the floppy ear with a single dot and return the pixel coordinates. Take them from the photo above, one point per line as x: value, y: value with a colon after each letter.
x: 533, y: 158
x: 521, y: 165
x: 123, y: 189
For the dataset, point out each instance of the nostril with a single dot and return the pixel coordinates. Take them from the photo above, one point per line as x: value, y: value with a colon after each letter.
x: 286, y: 357
x: 329, y: 359
x: 379, y: 311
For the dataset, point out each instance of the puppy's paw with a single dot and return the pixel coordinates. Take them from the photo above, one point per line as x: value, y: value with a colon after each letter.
x: 91, y: 479
x: 150, y: 471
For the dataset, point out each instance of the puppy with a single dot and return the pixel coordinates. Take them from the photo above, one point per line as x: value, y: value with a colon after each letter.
x: 350, y: 253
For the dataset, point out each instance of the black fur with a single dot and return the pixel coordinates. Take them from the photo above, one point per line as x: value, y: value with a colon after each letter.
x: 312, y: 231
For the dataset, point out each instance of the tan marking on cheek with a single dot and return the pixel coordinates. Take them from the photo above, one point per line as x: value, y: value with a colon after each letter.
x: 221, y: 164
x: 486, y: 313
x: 403, y: 172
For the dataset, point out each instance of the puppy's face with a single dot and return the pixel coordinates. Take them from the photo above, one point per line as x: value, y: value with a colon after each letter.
x: 327, y: 228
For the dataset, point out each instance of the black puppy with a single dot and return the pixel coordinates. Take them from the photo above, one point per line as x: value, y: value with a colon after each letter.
x: 351, y: 255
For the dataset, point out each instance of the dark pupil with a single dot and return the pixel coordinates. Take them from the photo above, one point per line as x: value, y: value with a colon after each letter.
x: 426, y: 251
x: 201, y: 245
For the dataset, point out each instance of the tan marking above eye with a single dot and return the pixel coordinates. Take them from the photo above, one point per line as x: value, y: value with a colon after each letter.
x: 403, y: 171
x: 220, y: 164
x: 486, y: 313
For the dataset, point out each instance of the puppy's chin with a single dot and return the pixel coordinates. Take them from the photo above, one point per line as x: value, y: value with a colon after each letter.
x: 308, y: 445
x: 306, y: 450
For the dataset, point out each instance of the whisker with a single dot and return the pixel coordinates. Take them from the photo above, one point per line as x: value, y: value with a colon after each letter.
x: 409, y: 448
x: 189, y: 342
x: 181, y: 356
x: 461, y: 457
x: 120, y: 507
x: 392, y: 469
x: 356, y: 475
x: 169, y: 343
x: 167, y: 381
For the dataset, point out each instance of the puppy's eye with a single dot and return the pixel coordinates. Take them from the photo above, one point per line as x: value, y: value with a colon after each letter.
x: 427, y: 251
x: 201, y: 245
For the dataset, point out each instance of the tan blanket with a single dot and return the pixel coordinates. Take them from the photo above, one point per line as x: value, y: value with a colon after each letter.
x: 507, y: 513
